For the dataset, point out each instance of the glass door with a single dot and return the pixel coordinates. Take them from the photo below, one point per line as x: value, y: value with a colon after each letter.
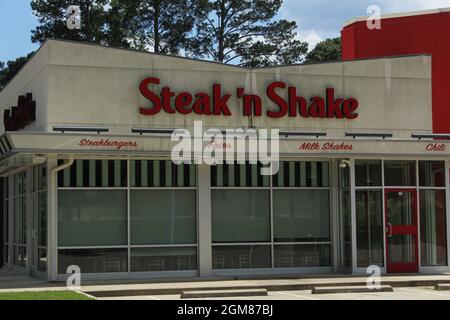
x: 401, y: 230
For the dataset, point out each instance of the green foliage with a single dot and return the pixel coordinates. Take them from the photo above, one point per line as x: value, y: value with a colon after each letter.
x: 162, y: 25
x: 9, y: 70
x: 245, y: 31
x: 229, y: 31
x: 44, y: 295
x: 52, y: 17
x: 119, y: 31
x: 327, y: 50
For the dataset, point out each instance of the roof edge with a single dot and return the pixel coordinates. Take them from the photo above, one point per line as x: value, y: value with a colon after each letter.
x: 35, y: 53
x: 399, y: 15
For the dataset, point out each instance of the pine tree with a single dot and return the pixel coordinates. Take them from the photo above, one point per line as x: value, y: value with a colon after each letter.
x: 327, y: 50
x: 245, y: 31
x: 52, y: 17
x: 158, y: 25
x: 11, y: 68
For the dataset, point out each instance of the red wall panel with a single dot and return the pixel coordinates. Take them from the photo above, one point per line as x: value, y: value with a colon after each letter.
x: 419, y: 34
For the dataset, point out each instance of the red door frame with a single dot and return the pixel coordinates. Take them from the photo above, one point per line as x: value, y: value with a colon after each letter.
x: 402, y: 230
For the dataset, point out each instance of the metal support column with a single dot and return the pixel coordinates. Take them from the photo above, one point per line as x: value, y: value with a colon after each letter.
x: 204, y: 220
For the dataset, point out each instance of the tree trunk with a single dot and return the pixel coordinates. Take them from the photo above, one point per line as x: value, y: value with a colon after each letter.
x: 88, y: 21
x: 156, y: 34
x: 221, y: 31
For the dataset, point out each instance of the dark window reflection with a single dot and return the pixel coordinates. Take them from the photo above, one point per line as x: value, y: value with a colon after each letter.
x: 241, y: 257
x: 93, y: 260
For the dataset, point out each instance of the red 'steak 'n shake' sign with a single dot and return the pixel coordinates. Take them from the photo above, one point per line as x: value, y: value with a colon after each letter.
x: 204, y: 104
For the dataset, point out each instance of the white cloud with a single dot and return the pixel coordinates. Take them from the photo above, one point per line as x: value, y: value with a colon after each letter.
x: 311, y: 37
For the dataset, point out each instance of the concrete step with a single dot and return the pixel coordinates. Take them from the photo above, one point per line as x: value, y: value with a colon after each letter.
x: 302, y: 283
x: 223, y: 293
x: 350, y: 289
x: 442, y: 286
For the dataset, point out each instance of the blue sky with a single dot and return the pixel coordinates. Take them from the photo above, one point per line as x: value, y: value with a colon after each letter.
x: 16, y: 22
x: 321, y: 19
x: 317, y: 19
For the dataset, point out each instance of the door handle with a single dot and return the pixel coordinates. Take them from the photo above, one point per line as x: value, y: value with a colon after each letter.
x: 388, y: 230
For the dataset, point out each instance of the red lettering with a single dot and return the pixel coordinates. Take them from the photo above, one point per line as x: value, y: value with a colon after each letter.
x: 317, y: 108
x: 220, y: 103
x: 143, y: 88
x: 309, y: 146
x: 252, y: 105
x: 275, y: 98
x: 182, y: 101
x: 166, y: 95
x: 337, y: 147
x: 349, y: 107
x: 82, y: 143
x: 294, y: 101
x: 202, y: 104
x: 438, y: 147
x: 333, y: 106
x: 107, y: 143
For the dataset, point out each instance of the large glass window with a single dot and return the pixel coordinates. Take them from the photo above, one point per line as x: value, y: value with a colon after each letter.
x: 163, y: 217
x: 98, y: 201
x: 431, y: 173
x: 240, y: 204
x: 240, y: 216
x: 92, y: 218
x: 4, y: 220
x: 433, y: 222
x: 400, y: 173
x: 94, y: 173
x: 93, y: 260
x: 368, y: 173
x: 288, y: 218
x: 369, y: 228
x: 433, y: 228
x: 238, y: 175
x: 163, y: 259
x: 161, y: 173
x: 302, y: 174
x: 369, y: 212
x: 241, y: 257
x: 19, y: 202
x: 302, y: 256
x: 40, y: 213
x: 301, y: 215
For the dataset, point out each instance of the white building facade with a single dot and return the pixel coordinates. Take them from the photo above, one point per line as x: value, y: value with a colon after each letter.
x: 88, y: 178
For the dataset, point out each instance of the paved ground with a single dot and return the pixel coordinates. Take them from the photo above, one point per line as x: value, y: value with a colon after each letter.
x: 415, y: 293
x: 11, y: 280
x: 405, y: 286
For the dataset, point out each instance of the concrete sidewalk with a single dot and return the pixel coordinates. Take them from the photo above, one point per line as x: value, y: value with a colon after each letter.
x: 16, y: 281
x: 273, y: 284
x: 12, y: 281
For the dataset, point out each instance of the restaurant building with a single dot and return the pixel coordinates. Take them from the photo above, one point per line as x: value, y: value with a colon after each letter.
x: 88, y: 180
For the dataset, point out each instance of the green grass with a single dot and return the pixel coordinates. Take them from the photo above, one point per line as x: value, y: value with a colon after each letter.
x: 44, y: 295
